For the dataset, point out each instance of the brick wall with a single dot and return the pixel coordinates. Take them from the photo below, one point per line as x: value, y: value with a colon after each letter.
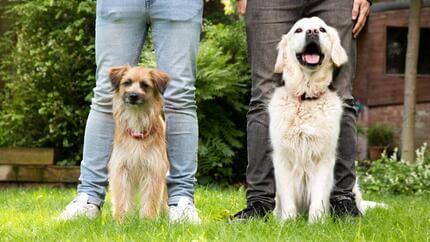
x: 372, y: 85
x: 393, y: 115
x: 382, y: 93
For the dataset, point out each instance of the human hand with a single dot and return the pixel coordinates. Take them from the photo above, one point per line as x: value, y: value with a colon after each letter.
x: 241, y: 6
x: 360, y: 11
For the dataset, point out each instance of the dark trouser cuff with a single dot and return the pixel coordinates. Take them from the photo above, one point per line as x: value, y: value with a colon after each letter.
x: 344, y: 196
x: 268, y: 202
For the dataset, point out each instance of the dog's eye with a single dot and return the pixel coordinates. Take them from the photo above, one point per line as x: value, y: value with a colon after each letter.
x: 143, y: 85
x: 298, y: 30
x: 322, y: 30
x: 127, y: 82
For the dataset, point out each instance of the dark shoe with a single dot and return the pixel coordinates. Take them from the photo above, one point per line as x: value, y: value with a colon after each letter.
x: 254, y: 210
x: 344, y: 206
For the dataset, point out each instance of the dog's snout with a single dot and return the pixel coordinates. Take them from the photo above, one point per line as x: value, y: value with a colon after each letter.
x: 133, y: 97
x: 312, y: 33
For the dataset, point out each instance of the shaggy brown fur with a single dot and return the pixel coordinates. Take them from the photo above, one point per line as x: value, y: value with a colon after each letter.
x: 139, y: 162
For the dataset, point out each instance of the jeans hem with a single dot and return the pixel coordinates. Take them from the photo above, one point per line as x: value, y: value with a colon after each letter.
x: 93, y: 199
x: 174, y: 200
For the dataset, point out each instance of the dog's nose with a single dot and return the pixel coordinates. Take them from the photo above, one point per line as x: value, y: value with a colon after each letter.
x: 312, y: 33
x: 133, y: 97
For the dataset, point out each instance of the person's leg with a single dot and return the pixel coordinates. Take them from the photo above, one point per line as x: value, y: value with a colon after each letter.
x: 266, y: 22
x: 120, y: 33
x: 337, y: 13
x: 176, y: 44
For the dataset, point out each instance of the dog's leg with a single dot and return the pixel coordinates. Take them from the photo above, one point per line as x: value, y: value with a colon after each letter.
x: 321, y: 183
x: 153, y: 190
x: 121, y: 192
x: 277, y: 210
x: 285, y: 207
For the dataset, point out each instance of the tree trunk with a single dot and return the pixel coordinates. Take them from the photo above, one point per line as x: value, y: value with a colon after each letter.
x: 408, y: 126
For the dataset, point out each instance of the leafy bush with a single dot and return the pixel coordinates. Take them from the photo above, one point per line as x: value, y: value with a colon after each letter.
x: 48, y: 68
x: 222, y: 94
x: 380, y: 134
x: 391, y: 175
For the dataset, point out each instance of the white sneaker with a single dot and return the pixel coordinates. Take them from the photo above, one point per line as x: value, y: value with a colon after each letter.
x: 80, y: 207
x: 184, y: 211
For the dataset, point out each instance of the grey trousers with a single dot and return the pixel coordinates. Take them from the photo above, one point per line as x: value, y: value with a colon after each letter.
x: 266, y: 22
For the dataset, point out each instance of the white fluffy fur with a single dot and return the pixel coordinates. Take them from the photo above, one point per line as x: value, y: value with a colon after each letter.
x: 304, y: 133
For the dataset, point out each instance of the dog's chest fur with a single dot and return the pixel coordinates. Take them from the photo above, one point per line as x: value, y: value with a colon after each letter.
x: 305, y: 129
x: 304, y: 135
x: 138, y: 156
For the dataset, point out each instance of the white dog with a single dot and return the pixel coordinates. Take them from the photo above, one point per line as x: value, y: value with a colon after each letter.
x: 305, y: 120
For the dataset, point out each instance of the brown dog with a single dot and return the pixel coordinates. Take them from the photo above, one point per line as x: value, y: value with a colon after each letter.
x: 138, y: 163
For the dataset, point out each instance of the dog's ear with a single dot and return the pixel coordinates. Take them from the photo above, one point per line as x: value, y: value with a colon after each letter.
x: 160, y: 79
x: 280, y: 60
x: 338, y: 53
x: 116, y: 74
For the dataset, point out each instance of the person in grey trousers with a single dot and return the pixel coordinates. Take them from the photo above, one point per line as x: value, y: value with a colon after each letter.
x: 266, y: 22
x: 121, y: 29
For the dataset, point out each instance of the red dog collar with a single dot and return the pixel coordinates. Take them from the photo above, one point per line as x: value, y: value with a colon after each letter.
x: 304, y: 97
x: 139, y: 134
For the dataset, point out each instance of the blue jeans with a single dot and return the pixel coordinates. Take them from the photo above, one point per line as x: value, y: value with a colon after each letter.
x: 121, y: 29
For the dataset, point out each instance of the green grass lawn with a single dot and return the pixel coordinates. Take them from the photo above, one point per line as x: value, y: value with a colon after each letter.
x: 29, y: 214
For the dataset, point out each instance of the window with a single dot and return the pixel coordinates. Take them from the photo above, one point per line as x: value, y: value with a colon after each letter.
x: 397, y: 41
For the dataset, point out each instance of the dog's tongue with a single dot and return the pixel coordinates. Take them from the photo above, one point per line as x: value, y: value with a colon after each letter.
x: 311, y: 58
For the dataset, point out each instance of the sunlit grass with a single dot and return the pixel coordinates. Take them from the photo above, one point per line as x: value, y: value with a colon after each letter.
x: 28, y: 214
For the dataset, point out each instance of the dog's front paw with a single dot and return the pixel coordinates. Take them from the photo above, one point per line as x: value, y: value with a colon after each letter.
x: 277, y: 211
x: 118, y: 215
x: 287, y: 214
x: 316, y: 216
x: 119, y: 219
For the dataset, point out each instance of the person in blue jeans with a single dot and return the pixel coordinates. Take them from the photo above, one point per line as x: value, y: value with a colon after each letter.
x: 121, y: 30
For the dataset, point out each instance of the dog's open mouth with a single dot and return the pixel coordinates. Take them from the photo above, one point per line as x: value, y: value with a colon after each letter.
x: 311, y: 55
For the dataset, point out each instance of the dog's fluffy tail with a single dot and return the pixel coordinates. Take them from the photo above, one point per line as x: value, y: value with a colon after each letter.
x: 363, y: 205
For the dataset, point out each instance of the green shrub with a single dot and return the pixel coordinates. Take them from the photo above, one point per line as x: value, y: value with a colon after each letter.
x: 391, y: 175
x: 380, y: 134
x: 222, y: 94
x: 48, y: 68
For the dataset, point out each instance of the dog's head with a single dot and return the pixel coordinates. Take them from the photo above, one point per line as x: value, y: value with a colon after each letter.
x: 138, y: 85
x: 310, y: 44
